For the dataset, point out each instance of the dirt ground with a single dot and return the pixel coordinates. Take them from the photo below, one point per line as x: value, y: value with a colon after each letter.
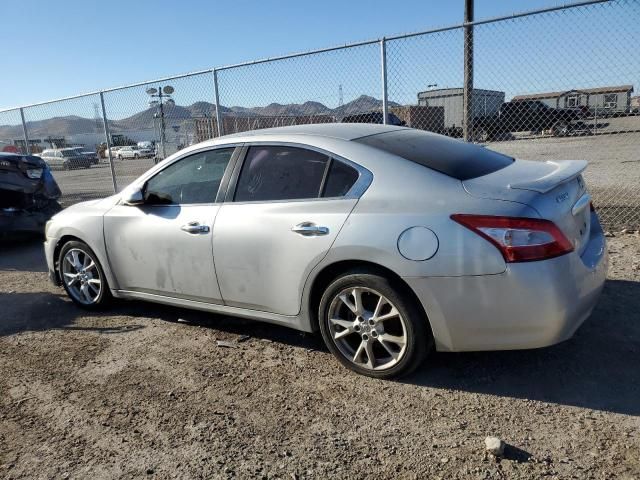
x: 143, y: 391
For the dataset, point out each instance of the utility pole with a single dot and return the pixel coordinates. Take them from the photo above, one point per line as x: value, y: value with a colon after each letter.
x: 467, y: 107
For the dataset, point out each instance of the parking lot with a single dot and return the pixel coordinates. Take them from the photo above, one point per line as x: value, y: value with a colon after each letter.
x: 144, y: 390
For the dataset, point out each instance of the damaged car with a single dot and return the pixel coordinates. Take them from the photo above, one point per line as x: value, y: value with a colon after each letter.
x: 28, y: 194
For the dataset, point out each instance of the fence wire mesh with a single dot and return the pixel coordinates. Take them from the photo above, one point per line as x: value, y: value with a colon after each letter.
x: 67, y: 135
x: 332, y: 86
x: 151, y: 121
x: 568, y: 78
x: 555, y: 84
x: 11, y: 132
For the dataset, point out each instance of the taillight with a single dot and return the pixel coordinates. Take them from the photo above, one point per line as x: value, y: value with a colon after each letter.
x: 518, y: 239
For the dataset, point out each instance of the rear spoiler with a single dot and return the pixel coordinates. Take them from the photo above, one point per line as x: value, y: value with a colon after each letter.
x: 563, y: 171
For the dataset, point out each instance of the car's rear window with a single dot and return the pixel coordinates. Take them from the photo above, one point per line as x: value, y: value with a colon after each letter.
x: 452, y: 157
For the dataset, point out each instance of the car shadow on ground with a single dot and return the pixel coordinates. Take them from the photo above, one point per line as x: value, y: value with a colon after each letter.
x: 598, y: 368
x: 39, y: 311
x: 22, y: 252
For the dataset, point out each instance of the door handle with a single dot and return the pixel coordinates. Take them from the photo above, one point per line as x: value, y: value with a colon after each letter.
x: 310, y: 229
x: 194, y: 227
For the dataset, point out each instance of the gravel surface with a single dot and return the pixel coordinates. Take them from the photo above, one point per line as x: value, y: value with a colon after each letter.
x: 147, y: 391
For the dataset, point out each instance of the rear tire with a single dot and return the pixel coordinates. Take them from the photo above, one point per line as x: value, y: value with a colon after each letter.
x: 82, y: 276
x: 373, y: 326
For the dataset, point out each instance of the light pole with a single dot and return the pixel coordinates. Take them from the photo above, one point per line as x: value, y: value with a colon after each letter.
x: 163, y: 95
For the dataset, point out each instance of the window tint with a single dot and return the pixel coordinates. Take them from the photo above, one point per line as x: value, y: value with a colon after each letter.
x: 454, y: 158
x: 280, y: 173
x: 340, y: 179
x: 194, y: 179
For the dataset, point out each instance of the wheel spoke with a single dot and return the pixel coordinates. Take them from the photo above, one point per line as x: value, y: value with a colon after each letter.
x: 381, y: 303
x: 85, y: 261
x: 94, y: 281
x: 345, y: 324
x: 90, y: 266
x: 76, y: 260
x: 72, y: 276
x: 392, y: 314
x: 342, y: 323
x: 348, y: 303
x: 94, y: 288
x: 357, y: 296
x: 385, y: 337
x: 359, y: 352
x: 389, y: 350
x: 84, y: 289
x: 371, y: 360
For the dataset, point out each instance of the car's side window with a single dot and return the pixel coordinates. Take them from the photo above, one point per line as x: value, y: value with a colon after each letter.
x: 340, y: 179
x: 280, y: 173
x: 193, y: 179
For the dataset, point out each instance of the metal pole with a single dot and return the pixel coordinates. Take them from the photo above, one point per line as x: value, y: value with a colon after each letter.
x: 107, y: 137
x: 24, y: 133
x: 162, y: 125
x: 467, y: 107
x: 383, y: 65
x: 217, y: 95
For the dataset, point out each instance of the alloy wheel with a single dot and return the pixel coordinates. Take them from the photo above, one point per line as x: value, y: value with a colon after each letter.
x: 367, y: 328
x: 81, y: 276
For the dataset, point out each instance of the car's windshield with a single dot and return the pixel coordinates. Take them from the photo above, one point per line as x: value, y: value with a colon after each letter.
x: 69, y: 153
x: 453, y: 158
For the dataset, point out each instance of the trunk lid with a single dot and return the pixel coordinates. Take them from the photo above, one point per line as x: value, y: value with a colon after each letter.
x: 556, y: 190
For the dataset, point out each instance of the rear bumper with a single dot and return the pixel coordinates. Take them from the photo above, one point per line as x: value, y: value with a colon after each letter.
x: 530, y: 305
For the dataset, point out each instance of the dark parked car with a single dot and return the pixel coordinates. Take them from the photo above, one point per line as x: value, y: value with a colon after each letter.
x: 526, y: 116
x: 28, y: 194
x: 373, y: 117
x: 93, y: 156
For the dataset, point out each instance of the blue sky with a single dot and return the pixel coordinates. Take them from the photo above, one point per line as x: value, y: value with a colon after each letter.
x: 63, y: 48
x: 67, y: 47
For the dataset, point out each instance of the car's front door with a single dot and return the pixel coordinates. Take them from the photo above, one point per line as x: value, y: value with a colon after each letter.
x: 163, y: 246
x: 288, y: 206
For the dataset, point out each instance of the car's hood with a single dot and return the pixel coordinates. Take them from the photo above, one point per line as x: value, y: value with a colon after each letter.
x: 94, y: 206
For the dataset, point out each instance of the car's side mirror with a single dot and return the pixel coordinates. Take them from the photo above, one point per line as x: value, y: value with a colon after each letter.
x: 133, y: 196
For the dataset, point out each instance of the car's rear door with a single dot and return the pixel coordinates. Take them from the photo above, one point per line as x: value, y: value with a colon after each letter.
x: 163, y: 246
x: 283, y: 212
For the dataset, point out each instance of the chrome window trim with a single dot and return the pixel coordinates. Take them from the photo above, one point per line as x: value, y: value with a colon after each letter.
x: 365, y: 177
x: 142, y: 181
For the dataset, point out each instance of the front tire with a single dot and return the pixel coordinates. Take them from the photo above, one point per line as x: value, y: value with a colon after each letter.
x: 82, y: 276
x: 373, y: 326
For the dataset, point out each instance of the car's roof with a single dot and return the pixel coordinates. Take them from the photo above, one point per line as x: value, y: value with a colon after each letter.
x: 10, y: 154
x: 342, y: 131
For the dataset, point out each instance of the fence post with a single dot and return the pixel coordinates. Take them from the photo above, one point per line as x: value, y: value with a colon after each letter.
x: 24, y: 133
x: 383, y: 66
x: 467, y: 107
x: 217, y: 95
x: 107, y: 137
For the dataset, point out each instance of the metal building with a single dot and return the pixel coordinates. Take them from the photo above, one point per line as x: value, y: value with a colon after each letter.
x: 483, y: 103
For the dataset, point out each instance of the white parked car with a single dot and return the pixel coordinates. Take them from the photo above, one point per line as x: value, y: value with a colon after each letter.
x: 134, y: 152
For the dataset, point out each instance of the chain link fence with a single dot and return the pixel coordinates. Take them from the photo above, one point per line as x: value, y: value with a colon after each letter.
x: 558, y: 83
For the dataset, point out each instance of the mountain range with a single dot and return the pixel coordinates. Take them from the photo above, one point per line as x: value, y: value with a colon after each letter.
x: 176, y: 114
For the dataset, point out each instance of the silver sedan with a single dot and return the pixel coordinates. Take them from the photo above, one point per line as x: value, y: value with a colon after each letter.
x: 389, y: 241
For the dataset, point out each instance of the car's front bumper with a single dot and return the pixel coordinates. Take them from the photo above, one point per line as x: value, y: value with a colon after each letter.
x: 49, y: 251
x: 530, y: 305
